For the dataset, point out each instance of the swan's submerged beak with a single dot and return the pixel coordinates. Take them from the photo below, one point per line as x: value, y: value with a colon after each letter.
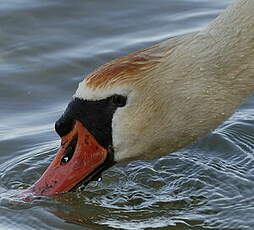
x: 79, y: 157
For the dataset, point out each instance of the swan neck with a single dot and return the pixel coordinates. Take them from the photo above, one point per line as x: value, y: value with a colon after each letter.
x: 208, y: 75
x: 234, y: 29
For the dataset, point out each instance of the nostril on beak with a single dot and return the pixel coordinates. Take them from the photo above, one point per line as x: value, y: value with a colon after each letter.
x: 64, y: 125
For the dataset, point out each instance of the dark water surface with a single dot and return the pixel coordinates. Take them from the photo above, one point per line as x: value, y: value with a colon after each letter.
x: 46, y: 47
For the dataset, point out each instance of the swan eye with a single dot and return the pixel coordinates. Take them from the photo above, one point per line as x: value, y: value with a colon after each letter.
x: 119, y: 100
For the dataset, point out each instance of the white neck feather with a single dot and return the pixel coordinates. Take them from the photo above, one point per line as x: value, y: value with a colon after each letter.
x: 206, y: 76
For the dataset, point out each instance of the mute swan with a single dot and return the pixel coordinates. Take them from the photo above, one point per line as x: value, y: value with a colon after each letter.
x: 154, y: 101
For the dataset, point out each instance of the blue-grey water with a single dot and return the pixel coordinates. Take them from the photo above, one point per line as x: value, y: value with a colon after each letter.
x: 46, y: 48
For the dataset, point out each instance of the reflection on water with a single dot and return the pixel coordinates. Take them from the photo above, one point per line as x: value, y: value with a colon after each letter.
x: 46, y: 47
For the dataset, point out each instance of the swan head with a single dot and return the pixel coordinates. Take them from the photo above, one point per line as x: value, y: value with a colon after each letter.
x: 141, y: 106
x: 117, y: 113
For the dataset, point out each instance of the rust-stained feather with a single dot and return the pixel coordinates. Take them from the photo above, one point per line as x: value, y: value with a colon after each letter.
x: 125, y: 69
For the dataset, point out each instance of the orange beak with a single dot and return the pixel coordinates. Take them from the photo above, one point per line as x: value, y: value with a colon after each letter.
x: 79, y: 155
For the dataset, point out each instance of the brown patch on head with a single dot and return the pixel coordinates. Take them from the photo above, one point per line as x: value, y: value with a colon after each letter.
x: 125, y: 69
